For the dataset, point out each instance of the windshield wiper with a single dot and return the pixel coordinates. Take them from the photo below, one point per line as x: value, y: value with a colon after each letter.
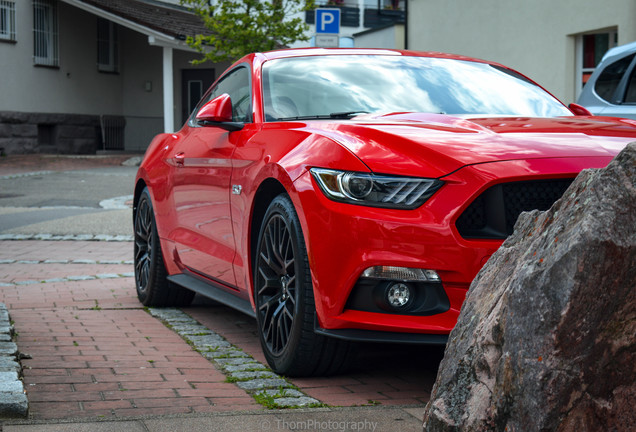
x: 336, y: 115
x: 347, y: 114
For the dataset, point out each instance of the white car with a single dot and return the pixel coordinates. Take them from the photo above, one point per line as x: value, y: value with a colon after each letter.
x: 611, y: 90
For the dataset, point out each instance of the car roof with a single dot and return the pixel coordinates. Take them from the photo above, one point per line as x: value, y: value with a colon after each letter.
x: 308, y: 52
x: 619, y: 51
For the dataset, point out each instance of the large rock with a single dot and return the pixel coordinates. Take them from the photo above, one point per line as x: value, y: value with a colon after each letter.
x: 545, y: 339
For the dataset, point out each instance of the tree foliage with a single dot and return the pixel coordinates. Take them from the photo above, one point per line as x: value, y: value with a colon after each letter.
x: 239, y: 27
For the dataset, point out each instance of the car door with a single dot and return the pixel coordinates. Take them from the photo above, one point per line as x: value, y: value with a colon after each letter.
x: 204, y: 238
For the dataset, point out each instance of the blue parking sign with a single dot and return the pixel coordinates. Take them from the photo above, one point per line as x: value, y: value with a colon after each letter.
x: 328, y: 21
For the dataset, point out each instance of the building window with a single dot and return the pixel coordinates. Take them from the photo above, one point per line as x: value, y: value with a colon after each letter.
x: 7, y: 20
x: 107, y: 46
x: 590, y: 49
x: 45, y: 33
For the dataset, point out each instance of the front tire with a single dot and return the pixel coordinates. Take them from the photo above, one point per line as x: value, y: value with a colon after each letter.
x: 285, y: 307
x: 153, y: 287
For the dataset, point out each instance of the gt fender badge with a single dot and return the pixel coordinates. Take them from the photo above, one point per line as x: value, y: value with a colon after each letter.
x: 237, y: 189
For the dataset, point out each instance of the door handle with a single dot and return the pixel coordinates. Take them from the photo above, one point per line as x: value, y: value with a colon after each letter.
x: 179, y: 158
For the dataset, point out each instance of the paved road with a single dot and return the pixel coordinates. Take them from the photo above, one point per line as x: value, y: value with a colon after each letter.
x: 95, y: 201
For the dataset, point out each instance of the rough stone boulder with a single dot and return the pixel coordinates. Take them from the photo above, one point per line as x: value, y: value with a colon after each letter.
x: 545, y: 339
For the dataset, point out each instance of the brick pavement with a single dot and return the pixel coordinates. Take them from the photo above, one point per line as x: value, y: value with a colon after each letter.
x: 72, y: 251
x: 97, y: 353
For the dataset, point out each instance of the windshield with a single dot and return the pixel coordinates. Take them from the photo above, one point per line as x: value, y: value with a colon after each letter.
x: 341, y: 86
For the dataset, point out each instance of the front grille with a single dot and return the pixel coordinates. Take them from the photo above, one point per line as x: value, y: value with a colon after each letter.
x: 492, y: 215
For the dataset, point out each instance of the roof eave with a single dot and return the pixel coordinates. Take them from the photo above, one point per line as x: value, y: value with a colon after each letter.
x: 154, y: 37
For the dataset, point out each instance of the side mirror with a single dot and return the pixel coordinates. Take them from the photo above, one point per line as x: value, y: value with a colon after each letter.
x: 579, y: 110
x: 218, y: 112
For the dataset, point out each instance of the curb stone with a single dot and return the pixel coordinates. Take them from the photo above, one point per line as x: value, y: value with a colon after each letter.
x: 79, y: 237
x: 13, y: 261
x: 13, y: 398
x: 248, y: 374
x: 78, y: 278
x: 27, y: 174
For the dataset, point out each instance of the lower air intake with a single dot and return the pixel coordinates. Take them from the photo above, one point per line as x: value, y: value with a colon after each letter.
x: 492, y: 215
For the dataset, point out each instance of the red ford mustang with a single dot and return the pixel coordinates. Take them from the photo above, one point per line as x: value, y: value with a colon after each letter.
x: 352, y: 195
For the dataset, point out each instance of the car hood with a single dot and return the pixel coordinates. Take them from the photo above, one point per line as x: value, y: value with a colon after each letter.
x: 434, y: 145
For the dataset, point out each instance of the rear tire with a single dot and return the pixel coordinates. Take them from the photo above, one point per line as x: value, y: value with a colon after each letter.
x: 153, y: 287
x: 285, y: 307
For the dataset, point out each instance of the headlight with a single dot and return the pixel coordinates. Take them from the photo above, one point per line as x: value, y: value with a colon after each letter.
x: 375, y: 190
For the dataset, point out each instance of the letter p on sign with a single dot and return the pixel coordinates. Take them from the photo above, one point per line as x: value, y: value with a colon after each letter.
x: 328, y: 21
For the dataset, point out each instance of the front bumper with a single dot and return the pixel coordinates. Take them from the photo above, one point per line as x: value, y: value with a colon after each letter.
x: 343, y: 240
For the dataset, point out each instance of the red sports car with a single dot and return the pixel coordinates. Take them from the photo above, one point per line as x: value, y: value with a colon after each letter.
x: 352, y: 195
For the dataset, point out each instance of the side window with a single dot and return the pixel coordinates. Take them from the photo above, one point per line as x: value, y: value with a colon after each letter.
x: 608, y: 80
x: 237, y: 85
x: 630, y: 94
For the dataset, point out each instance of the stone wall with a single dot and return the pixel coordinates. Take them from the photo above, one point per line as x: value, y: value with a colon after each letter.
x: 22, y: 133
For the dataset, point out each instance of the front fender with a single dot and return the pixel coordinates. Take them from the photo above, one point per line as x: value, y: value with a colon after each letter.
x: 262, y: 175
x: 155, y: 173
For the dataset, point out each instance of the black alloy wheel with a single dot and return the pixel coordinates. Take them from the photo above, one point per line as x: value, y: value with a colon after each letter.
x: 143, y: 245
x: 153, y: 287
x: 283, y: 294
x: 277, y: 291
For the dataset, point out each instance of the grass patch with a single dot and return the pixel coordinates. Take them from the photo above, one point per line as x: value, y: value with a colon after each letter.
x: 266, y: 400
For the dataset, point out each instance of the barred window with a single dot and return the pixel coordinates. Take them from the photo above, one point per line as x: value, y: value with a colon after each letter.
x: 107, y: 46
x: 7, y: 20
x: 45, y: 33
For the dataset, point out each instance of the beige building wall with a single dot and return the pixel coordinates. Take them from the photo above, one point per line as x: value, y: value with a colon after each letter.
x: 538, y: 37
x: 62, y: 89
x: 391, y: 37
x: 141, y: 90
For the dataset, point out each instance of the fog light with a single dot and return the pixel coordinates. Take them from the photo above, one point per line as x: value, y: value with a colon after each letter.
x: 398, y: 295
